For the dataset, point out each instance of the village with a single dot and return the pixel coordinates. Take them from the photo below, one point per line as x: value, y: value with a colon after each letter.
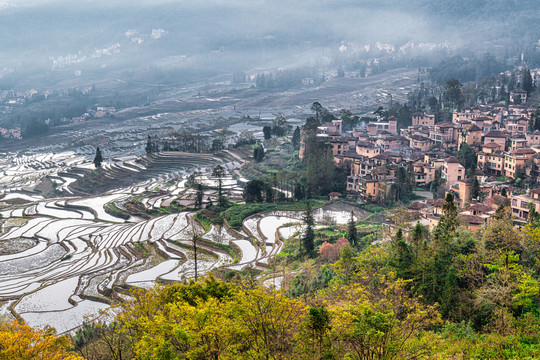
x: 506, y: 157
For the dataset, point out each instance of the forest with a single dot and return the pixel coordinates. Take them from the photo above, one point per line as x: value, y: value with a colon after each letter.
x: 449, y: 293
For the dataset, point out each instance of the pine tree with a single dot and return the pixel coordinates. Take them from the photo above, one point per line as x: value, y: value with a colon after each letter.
x: 526, y: 81
x: 352, y: 233
x: 475, y: 190
x: 258, y: 153
x: 449, y: 221
x: 199, y: 196
x: 417, y: 235
x: 98, y: 159
x: 308, y: 240
x: 149, y: 148
x: 296, y: 138
x: 219, y: 172
x: 267, y: 131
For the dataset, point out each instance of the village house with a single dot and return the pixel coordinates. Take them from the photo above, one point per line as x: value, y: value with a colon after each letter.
x: 520, y: 203
x: 472, y: 136
x: 421, y: 118
x: 452, y: 171
x: 444, y: 133
x: 518, y: 96
x: 497, y: 137
x: 515, y: 162
x: 367, y: 149
x: 420, y: 142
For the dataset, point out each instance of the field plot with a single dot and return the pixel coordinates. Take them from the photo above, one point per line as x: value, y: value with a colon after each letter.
x: 64, y: 257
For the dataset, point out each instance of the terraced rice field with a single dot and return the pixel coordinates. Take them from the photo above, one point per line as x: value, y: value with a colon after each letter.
x: 63, y: 259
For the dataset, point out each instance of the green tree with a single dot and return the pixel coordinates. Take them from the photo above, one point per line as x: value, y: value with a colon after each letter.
x: 219, y: 172
x: 526, y: 81
x: 308, y: 240
x: 253, y: 191
x: 258, y: 153
x: 267, y: 131
x: 449, y: 220
x: 98, y: 159
x: 199, y: 196
x: 402, y: 259
x: 318, y: 165
x: 475, y: 190
x: 467, y: 157
x: 317, y: 330
x: 352, y: 233
x: 453, y: 96
x: 296, y: 138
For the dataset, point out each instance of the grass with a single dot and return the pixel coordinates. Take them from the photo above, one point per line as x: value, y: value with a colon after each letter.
x: 142, y: 248
x: 237, y: 213
x: 113, y: 210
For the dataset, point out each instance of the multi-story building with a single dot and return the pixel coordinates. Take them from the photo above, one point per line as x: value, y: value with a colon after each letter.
x: 421, y: 118
x: 520, y: 203
x: 516, y: 161
x: 452, y: 170
x: 518, y: 96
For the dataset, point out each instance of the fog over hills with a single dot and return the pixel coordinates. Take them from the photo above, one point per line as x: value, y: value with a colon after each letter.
x: 41, y: 36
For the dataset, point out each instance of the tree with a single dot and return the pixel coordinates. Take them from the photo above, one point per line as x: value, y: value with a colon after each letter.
x: 219, y: 172
x: 309, y: 234
x: 21, y: 342
x: 253, y: 191
x: 418, y: 234
x: 467, y: 157
x: 151, y: 145
x: 501, y: 236
x: 296, y: 138
x: 453, y: 96
x: 199, y: 196
x: 318, y: 165
x: 526, y: 81
x: 195, y: 235
x: 448, y: 222
x: 280, y: 127
x: 217, y: 145
x: 475, y: 190
x: 98, y: 159
x: 317, y: 108
x: 258, y: 153
x: 318, y: 329
x: 267, y: 131
x: 352, y: 233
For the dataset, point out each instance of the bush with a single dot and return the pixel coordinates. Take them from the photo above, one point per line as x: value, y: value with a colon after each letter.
x: 237, y: 213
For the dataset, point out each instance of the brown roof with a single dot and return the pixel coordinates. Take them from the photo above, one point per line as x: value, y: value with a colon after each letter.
x: 524, y: 151
x: 420, y: 138
x: 498, y: 200
x: 472, y: 219
x: 474, y: 128
x: 496, y: 134
x: 452, y: 160
x: 492, y: 145
x: 479, y: 207
x: 438, y: 202
x: 445, y: 124
x: 416, y: 206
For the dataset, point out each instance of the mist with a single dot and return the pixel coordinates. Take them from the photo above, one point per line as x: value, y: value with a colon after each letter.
x: 44, y: 41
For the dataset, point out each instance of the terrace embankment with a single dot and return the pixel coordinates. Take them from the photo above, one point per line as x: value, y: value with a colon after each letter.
x: 123, y: 173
